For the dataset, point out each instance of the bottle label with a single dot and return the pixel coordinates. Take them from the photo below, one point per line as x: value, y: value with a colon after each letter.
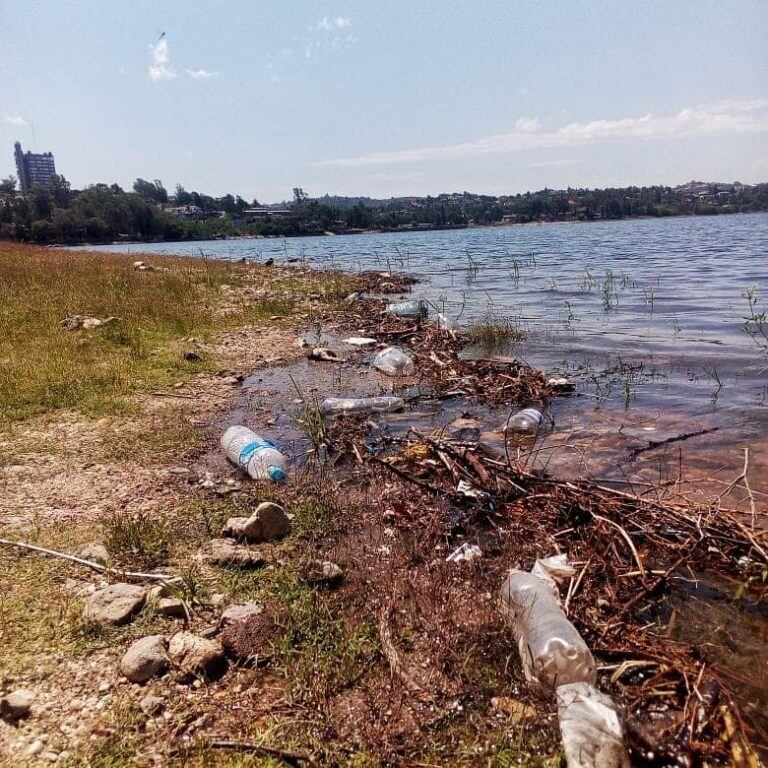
x: 250, y: 449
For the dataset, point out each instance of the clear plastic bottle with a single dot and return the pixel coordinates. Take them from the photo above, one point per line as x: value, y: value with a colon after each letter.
x: 551, y: 649
x: 253, y: 454
x: 525, y: 422
x: 414, y: 308
x: 349, y: 405
x: 394, y: 362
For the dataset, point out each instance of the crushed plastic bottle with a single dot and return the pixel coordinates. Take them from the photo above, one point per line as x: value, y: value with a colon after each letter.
x: 394, y: 362
x: 253, y: 454
x: 591, y: 727
x: 551, y: 649
x: 444, y: 323
x: 525, y: 422
x: 414, y: 308
x: 349, y: 405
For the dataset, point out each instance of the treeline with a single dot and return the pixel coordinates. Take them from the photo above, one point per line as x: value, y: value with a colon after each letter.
x: 100, y: 213
x: 103, y: 213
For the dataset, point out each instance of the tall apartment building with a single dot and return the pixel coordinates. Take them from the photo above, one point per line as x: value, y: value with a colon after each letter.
x: 33, y: 168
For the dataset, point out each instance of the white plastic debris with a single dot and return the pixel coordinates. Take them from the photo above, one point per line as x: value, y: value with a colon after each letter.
x: 465, y: 553
x: 360, y: 341
x: 591, y: 727
x: 555, y: 569
x: 470, y: 492
x: 560, y: 383
x: 324, y: 355
x: 443, y: 322
x: 394, y: 362
x: 348, y: 405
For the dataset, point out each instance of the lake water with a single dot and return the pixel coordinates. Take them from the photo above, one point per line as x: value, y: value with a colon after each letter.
x: 647, y: 317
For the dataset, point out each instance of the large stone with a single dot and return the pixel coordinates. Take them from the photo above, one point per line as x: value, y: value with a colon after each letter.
x: 236, y: 613
x: 269, y: 521
x: 145, y: 659
x: 237, y: 528
x: 170, y: 606
x: 228, y: 552
x: 196, y: 657
x: 16, y: 705
x: 115, y: 604
x: 152, y: 705
x: 97, y: 553
x: 324, y: 573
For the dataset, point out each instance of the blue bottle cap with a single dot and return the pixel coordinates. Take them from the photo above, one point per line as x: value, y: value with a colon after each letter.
x: 276, y: 474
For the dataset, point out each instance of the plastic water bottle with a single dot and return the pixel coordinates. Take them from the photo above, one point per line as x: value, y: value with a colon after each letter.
x: 525, y: 422
x: 349, y: 405
x: 414, y: 308
x: 253, y: 454
x: 551, y: 649
x: 394, y: 362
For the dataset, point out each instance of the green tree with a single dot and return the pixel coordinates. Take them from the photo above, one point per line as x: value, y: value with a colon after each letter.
x: 42, y: 231
x: 60, y: 191
x: 8, y: 184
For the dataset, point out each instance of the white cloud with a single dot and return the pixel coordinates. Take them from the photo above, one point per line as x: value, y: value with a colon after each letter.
x: 160, y: 62
x: 727, y: 117
x: 17, y: 121
x: 340, y: 22
x: 527, y: 124
x: 201, y: 74
x: 398, y: 177
x: 563, y: 162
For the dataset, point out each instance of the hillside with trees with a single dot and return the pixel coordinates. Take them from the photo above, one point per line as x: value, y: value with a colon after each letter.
x: 105, y: 213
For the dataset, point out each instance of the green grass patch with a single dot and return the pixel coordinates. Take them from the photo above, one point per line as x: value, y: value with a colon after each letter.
x: 494, y: 333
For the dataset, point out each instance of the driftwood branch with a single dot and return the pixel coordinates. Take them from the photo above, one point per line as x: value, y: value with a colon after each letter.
x: 90, y: 563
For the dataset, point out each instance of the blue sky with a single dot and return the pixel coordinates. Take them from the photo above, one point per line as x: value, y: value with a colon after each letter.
x: 387, y: 98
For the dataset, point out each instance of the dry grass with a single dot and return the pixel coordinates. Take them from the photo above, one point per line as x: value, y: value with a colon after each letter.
x: 44, y: 367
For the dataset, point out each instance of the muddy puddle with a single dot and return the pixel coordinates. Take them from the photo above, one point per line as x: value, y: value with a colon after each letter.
x: 586, y: 433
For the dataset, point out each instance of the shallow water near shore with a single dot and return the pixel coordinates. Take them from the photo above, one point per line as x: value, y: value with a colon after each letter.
x: 646, y: 316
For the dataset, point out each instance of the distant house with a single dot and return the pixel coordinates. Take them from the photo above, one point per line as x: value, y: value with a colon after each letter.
x: 190, y: 212
x: 264, y: 214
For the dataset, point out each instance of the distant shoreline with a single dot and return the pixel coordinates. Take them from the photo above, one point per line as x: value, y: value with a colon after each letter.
x: 95, y: 244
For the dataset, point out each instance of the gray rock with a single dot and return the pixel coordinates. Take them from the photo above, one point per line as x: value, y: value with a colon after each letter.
x: 170, y: 606
x: 228, y: 552
x: 96, y: 552
x: 145, y: 659
x: 115, y: 604
x: 16, y: 705
x: 269, y: 521
x: 324, y: 573
x: 196, y: 657
x: 241, y: 612
x: 152, y: 705
x: 236, y: 528
x: 274, y: 522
